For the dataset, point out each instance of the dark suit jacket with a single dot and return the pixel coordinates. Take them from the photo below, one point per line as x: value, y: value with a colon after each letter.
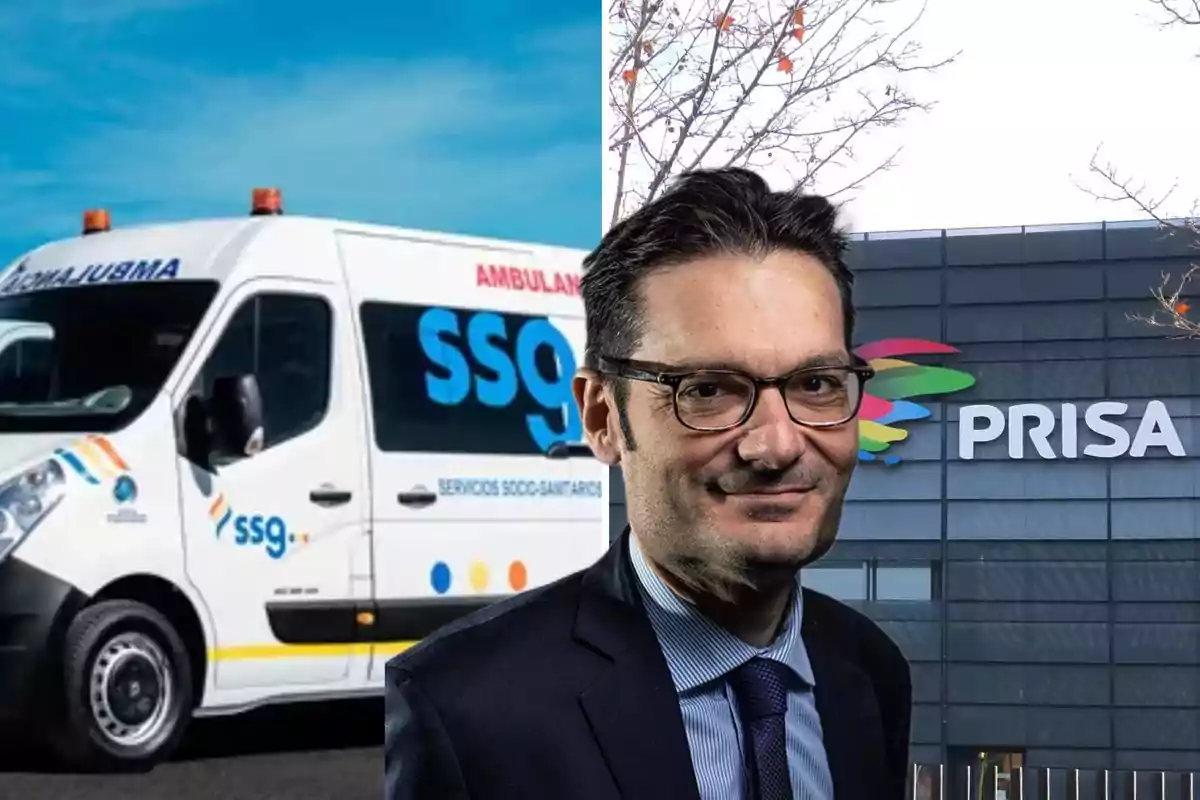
x: 563, y: 692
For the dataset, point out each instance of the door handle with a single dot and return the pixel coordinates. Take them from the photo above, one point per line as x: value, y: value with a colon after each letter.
x: 329, y: 497
x: 418, y: 498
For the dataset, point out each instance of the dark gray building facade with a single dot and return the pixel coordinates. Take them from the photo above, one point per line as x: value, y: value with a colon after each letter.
x: 1050, y: 606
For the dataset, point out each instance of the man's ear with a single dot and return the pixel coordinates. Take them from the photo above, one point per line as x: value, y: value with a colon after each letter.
x: 598, y: 415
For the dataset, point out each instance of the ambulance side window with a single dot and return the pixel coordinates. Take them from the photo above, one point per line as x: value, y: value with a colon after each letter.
x: 25, y: 371
x: 286, y: 341
x: 453, y: 380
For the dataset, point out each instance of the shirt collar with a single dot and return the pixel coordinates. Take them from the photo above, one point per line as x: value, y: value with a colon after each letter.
x: 698, y: 650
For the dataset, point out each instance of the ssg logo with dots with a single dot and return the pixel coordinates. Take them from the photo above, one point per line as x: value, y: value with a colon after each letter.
x: 506, y: 368
x: 270, y: 533
x: 478, y: 576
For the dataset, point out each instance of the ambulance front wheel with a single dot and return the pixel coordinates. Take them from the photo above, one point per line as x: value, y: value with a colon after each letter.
x: 128, y: 689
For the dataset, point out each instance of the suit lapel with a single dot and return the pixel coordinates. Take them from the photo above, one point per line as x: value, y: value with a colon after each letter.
x: 632, y: 706
x: 850, y: 723
x: 634, y: 715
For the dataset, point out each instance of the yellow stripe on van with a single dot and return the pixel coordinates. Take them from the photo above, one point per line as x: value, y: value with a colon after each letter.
x: 252, y: 652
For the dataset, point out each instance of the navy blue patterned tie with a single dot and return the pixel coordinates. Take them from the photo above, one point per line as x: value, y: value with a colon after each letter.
x: 760, y: 686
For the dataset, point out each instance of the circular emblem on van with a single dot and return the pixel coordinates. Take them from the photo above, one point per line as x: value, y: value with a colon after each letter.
x: 125, y: 490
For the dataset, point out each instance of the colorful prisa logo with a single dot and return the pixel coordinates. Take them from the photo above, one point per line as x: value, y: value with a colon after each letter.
x: 888, y: 398
x: 271, y: 533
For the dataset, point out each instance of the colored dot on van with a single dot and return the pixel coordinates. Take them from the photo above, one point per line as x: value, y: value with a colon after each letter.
x: 439, y: 577
x: 478, y: 576
x: 518, y: 576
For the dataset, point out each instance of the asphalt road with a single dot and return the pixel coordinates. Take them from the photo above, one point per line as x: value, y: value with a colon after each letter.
x: 307, y: 752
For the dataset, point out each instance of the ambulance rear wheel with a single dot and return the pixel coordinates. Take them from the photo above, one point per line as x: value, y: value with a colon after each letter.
x: 128, y: 689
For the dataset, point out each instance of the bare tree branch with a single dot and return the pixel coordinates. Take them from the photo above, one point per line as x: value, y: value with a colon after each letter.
x: 788, y: 83
x: 1176, y: 309
x: 1170, y: 301
x: 1178, y: 12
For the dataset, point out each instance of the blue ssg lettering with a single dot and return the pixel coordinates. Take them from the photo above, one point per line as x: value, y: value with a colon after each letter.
x: 486, y: 339
x: 270, y: 533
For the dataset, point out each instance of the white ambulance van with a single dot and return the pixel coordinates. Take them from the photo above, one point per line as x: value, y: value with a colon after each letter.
x: 249, y: 460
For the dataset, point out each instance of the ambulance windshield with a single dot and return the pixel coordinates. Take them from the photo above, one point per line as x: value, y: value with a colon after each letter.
x: 92, y: 358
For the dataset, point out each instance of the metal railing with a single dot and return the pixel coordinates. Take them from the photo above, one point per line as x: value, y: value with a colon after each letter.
x: 939, y: 782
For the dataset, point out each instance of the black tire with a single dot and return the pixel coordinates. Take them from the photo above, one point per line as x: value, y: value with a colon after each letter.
x: 121, y: 635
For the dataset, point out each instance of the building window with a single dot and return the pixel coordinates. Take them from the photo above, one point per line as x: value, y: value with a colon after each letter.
x: 908, y: 583
x: 864, y: 581
x: 839, y: 581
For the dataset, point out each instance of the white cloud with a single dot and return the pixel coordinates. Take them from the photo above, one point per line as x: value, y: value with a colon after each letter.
x: 391, y: 142
x: 51, y: 47
x: 23, y: 16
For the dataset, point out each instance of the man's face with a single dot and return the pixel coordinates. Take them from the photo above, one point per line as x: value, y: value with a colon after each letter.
x: 760, y: 499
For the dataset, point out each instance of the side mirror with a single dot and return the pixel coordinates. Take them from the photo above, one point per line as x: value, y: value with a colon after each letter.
x: 235, y: 408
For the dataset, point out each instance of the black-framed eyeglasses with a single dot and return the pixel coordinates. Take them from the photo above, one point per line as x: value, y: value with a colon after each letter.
x: 712, y: 400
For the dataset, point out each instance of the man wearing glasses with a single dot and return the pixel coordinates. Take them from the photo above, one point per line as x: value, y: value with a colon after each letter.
x: 687, y: 663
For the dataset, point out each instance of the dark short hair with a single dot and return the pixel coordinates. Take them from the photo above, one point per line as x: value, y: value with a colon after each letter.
x: 703, y: 213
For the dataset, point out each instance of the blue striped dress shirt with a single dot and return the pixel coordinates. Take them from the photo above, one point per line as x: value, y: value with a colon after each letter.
x: 700, y: 655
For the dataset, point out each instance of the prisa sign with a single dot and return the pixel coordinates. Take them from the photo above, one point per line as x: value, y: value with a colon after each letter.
x: 1034, y: 423
x: 891, y: 400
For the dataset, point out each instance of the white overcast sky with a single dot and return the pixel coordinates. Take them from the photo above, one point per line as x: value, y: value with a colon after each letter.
x: 1038, y: 86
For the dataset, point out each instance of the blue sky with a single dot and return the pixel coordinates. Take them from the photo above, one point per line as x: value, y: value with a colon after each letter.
x: 462, y: 116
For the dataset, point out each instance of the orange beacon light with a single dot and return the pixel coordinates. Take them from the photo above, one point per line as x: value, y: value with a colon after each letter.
x: 266, y: 201
x: 96, y: 220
